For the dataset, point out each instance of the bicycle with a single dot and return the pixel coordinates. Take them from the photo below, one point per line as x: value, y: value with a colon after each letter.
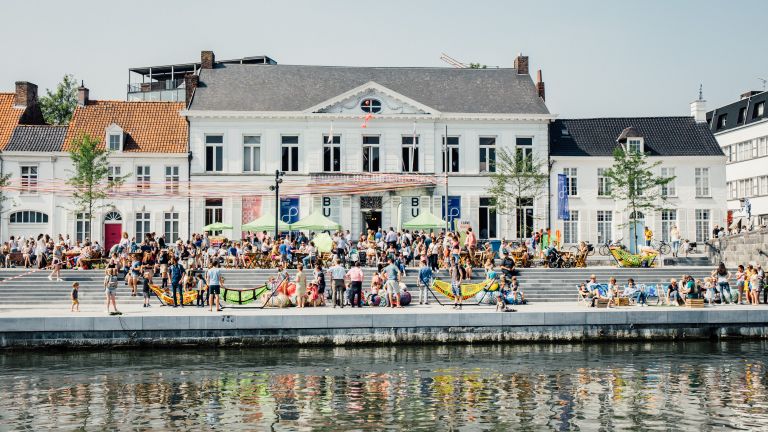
x: 605, y: 248
x: 661, y: 246
x: 590, y: 249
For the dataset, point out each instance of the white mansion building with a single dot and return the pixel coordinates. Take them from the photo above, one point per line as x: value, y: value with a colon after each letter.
x: 367, y: 146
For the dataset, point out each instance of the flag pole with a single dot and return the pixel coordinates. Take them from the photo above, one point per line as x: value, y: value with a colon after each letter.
x: 446, y: 168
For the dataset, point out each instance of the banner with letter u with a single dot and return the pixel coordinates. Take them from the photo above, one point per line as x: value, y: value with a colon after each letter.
x: 562, y: 197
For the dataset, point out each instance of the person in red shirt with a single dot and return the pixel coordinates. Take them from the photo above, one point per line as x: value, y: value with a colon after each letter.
x: 355, y: 275
x: 471, y: 244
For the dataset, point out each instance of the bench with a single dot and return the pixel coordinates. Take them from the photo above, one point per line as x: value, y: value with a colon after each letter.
x: 694, y: 303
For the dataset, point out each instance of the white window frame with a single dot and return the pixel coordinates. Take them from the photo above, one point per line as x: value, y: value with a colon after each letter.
x: 334, y: 149
x: 217, y: 154
x: 701, y: 176
x: 113, y: 130
x: 252, y: 153
x: 603, y: 183
x: 172, y: 178
x: 171, y: 226
x: 82, y: 227
x: 454, y: 154
x: 293, y: 163
x: 143, y: 178
x: 405, y: 148
x: 703, y: 224
x: 668, y: 220
x: 604, y: 220
x: 571, y: 181
x: 27, y: 217
x: 368, y: 150
x: 142, y: 224
x: 487, y: 152
x: 669, y: 190
x: 29, y: 179
x: 524, y: 150
x: 636, y: 144
x: 491, y: 219
x: 571, y: 228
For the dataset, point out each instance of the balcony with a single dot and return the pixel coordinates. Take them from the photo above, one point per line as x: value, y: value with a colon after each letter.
x: 171, y: 90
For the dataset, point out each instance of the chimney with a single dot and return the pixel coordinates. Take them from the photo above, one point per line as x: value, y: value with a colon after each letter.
x: 699, y: 108
x: 82, y: 94
x: 190, y: 84
x: 207, y: 59
x: 26, y: 94
x: 540, y: 85
x: 521, y: 64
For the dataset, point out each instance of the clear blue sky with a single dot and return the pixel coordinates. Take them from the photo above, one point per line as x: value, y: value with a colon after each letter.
x: 599, y: 58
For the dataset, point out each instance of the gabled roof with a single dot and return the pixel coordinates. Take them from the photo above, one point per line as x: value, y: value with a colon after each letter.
x: 10, y: 117
x: 150, y: 127
x: 39, y: 138
x: 266, y: 88
x: 662, y: 136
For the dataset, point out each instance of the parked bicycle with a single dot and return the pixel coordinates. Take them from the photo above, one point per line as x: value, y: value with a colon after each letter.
x: 590, y: 249
x: 605, y: 248
x: 661, y: 246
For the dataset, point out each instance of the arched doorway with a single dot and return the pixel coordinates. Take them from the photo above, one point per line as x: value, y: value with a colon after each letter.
x: 113, y: 229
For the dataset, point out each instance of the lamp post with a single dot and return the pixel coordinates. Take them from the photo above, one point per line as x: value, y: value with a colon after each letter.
x: 278, y: 179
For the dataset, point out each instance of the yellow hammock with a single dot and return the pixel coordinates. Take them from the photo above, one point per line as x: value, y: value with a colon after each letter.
x: 626, y: 259
x: 167, y: 297
x: 467, y: 290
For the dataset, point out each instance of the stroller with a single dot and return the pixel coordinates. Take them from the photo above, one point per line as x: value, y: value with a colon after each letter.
x: 555, y: 259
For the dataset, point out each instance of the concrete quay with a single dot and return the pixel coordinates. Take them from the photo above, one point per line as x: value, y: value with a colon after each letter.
x: 56, y: 327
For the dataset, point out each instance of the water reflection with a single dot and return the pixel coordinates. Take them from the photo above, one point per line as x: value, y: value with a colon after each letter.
x: 559, y: 387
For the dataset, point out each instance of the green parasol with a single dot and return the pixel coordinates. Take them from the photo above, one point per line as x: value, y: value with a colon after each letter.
x: 265, y: 222
x: 315, y: 222
x: 217, y: 226
x: 426, y: 220
x: 323, y: 242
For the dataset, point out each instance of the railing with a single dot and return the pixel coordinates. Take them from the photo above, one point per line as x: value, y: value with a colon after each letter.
x: 171, y: 84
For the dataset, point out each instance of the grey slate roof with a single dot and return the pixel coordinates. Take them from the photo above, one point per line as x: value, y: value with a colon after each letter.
x: 662, y: 136
x: 731, y: 112
x: 39, y: 138
x: 296, y: 88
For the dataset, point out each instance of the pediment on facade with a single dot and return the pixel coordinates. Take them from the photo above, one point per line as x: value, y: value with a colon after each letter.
x: 352, y: 102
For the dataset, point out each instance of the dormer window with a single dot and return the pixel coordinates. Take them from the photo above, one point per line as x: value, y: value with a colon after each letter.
x: 115, y: 137
x: 635, y: 145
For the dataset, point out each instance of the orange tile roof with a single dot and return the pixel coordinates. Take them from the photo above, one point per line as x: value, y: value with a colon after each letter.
x: 150, y: 127
x: 9, y: 118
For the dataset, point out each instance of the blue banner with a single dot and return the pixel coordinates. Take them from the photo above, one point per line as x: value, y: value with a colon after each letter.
x: 454, y: 210
x: 562, y: 198
x: 289, y: 209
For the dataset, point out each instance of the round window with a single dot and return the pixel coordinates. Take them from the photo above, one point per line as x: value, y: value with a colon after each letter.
x: 370, y: 105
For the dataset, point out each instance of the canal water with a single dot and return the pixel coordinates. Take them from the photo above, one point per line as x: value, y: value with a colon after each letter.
x: 698, y: 386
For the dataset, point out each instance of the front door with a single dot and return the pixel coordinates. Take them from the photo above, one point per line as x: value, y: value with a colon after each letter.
x: 112, y: 234
x: 372, y: 219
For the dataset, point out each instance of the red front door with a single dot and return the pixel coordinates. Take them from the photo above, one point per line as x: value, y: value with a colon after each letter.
x: 112, y: 233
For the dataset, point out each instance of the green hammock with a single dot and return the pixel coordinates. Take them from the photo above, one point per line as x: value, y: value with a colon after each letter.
x: 242, y: 296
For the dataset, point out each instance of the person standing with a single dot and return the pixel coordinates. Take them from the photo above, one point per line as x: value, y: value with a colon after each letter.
x: 471, y: 244
x: 456, y: 279
x: 213, y: 279
x: 721, y: 276
x: 145, y: 285
x: 74, y: 296
x: 176, y: 273
x: 425, y: 282
x: 674, y: 236
x: 648, y: 236
x: 202, y: 296
x: 355, y: 275
x: 301, y: 286
x: 337, y: 283
x: 110, y: 288
x: 392, y: 274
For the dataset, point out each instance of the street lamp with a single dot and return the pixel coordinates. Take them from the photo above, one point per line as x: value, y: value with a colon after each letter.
x: 276, y: 189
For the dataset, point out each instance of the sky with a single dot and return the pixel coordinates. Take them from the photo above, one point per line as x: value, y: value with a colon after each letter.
x: 599, y: 58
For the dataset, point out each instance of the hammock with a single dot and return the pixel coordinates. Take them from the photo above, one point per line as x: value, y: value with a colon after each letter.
x: 242, y: 296
x: 467, y: 290
x: 165, y: 295
x: 626, y: 259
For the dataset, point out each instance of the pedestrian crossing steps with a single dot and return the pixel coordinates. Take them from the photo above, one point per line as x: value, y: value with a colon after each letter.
x: 539, y: 285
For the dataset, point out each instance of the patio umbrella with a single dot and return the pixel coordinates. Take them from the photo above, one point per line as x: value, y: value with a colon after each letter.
x: 265, y: 222
x: 323, y: 242
x: 425, y: 220
x: 315, y: 222
x: 217, y: 226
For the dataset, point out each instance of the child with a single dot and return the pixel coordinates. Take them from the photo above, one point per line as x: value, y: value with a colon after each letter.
x: 74, y: 296
x: 500, y: 304
x: 201, y: 290
x: 145, y: 285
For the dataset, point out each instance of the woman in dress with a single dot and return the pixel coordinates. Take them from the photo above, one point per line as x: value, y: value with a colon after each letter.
x: 301, y: 286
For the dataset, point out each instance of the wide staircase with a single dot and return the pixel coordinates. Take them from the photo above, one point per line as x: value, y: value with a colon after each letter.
x: 20, y: 288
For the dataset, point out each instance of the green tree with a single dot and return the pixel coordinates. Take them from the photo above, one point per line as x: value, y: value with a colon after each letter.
x: 634, y: 183
x: 58, y: 106
x: 518, y: 177
x: 90, y: 177
x: 477, y: 66
x: 5, y: 181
